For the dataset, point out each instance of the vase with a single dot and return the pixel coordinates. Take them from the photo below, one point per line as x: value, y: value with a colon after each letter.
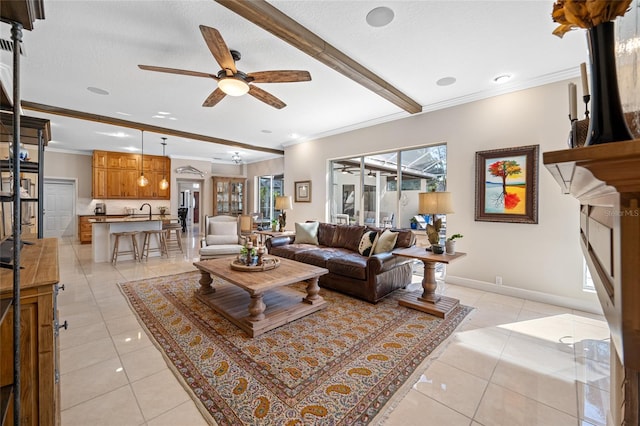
x: 607, y: 123
x: 450, y: 247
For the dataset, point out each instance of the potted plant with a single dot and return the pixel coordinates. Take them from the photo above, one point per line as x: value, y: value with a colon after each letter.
x: 414, y: 223
x: 274, y: 225
x: 163, y: 210
x: 248, y: 255
x: 450, y: 244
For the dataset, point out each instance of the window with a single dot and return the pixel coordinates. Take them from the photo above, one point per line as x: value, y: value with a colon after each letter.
x: 365, y: 188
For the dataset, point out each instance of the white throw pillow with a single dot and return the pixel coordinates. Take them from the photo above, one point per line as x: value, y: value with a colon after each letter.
x: 386, y: 242
x: 307, y: 233
x: 224, y: 228
x: 221, y: 239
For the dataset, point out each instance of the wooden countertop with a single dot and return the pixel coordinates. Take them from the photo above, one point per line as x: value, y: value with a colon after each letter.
x: 40, y: 262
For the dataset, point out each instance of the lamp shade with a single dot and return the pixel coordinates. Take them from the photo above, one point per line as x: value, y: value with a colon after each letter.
x: 284, y: 202
x: 435, y: 203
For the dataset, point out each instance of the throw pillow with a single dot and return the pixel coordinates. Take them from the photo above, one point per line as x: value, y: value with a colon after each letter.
x: 307, y: 233
x: 224, y: 228
x: 368, y: 243
x: 221, y: 239
x: 386, y: 242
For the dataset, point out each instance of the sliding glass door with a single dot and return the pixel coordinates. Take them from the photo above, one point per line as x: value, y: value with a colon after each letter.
x: 268, y: 188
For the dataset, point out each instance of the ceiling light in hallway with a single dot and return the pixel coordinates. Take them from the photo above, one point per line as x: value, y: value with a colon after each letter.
x: 380, y: 16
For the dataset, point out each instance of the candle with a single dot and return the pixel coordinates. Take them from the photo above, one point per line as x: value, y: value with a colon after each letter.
x: 585, y: 84
x: 573, y: 102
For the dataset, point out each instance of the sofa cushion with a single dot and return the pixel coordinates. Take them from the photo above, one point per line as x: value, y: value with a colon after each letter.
x: 289, y: 251
x: 317, y: 257
x: 223, y: 228
x: 348, y: 236
x: 386, y: 242
x: 368, y: 243
x: 349, y: 265
x: 325, y: 233
x: 221, y: 239
x: 307, y: 233
x: 220, y: 250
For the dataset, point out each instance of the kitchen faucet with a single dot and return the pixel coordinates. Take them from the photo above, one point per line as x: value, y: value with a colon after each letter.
x: 147, y: 204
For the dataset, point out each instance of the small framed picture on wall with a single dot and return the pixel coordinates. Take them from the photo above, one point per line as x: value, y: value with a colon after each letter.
x: 303, y: 191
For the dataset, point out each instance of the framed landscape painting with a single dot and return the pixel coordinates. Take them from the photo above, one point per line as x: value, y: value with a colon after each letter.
x: 507, y: 185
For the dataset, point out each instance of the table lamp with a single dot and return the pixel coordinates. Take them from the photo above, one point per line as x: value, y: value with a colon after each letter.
x: 433, y: 203
x: 283, y: 202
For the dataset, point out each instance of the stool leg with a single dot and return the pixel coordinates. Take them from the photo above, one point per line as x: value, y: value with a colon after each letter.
x: 134, y: 247
x: 163, y: 241
x: 145, y: 246
x: 114, y: 255
x: 179, y: 238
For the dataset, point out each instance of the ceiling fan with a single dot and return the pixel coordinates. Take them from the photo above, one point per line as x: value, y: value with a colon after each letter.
x: 232, y: 81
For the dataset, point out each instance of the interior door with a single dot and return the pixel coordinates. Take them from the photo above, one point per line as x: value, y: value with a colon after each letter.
x: 59, y: 209
x: 196, y: 207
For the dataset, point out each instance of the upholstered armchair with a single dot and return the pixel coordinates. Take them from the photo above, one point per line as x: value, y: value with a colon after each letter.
x: 222, y: 237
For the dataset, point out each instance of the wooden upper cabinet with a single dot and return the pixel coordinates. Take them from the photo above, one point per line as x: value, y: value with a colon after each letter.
x: 118, y: 160
x: 99, y: 188
x: 100, y: 159
x: 115, y: 175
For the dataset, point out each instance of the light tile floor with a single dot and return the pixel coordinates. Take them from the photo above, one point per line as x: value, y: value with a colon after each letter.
x: 512, y: 361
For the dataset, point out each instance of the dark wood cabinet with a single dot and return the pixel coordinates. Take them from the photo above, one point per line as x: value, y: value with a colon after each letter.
x: 229, y: 195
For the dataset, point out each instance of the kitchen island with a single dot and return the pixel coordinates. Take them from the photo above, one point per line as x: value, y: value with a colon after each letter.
x: 102, y: 228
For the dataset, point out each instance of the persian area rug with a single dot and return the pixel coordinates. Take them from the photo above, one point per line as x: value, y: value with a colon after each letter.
x: 336, y: 366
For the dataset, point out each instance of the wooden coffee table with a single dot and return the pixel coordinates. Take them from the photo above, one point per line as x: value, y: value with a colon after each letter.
x: 429, y: 301
x: 260, y: 301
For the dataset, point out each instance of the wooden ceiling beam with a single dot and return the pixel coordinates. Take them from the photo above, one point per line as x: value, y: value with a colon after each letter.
x: 277, y: 23
x: 141, y: 126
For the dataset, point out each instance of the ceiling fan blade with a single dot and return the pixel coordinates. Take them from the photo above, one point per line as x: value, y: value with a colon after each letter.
x: 266, y: 97
x: 215, y: 97
x: 282, y: 76
x: 177, y: 71
x: 218, y: 48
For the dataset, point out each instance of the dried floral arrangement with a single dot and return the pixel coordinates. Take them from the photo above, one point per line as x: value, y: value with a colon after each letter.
x: 586, y: 13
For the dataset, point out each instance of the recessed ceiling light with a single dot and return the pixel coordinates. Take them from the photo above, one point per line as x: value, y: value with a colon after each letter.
x: 164, y: 113
x: 123, y: 113
x: 172, y: 118
x: 266, y: 131
x: 502, y: 78
x: 97, y: 90
x: 158, y: 116
x: 446, y: 81
x: 294, y: 136
x: 380, y: 16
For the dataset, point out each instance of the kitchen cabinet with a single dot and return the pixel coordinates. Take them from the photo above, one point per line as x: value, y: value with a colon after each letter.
x: 229, y: 195
x: 115, y: 176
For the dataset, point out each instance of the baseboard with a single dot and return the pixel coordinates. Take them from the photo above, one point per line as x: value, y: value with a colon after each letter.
x: 536, y: 296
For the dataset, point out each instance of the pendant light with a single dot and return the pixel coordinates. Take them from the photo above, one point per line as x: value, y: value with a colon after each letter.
x: 142, y: 181
x: 164, y: 184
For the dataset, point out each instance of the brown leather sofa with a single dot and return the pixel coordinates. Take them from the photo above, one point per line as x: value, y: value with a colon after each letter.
x: 368, y: 278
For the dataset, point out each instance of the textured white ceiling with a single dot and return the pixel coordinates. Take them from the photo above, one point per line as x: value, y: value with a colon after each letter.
x: 84, y: 44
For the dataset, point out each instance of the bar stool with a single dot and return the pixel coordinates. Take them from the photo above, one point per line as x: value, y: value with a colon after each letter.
x: 116, y: 246
x: 173, y: 244
x: 160, y: 238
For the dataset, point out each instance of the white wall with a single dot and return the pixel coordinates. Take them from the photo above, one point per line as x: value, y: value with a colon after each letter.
x: 545, y: 257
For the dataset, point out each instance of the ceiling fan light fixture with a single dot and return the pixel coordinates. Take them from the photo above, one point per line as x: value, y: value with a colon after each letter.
x: 233, y: 86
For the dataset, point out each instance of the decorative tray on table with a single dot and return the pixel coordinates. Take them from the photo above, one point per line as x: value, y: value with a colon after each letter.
x: 267, y: 264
